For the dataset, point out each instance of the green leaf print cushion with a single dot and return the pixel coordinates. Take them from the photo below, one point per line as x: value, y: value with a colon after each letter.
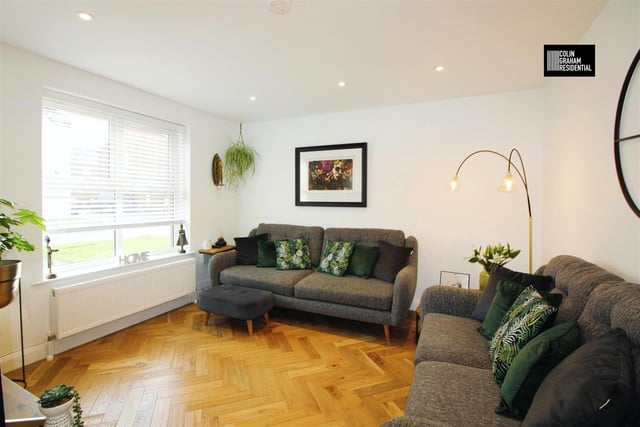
x: 292, y: 254
x: 335, y: 257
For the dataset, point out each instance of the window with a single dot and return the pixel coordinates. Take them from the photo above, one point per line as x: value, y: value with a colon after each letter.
x: 113, y: 182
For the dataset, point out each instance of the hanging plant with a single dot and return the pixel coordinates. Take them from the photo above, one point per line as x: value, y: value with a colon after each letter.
x: 239, y: 159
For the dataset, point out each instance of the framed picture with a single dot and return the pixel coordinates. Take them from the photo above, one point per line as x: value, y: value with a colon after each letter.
x: 332, y: 175
x: 451, y: 278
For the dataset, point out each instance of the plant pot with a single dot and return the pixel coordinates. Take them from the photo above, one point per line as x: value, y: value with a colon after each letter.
x: 58, y: 416
x: 10, y: 271
x: 483, y: 279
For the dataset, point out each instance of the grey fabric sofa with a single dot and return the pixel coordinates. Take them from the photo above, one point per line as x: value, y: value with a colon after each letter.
x: 351, y: 297
x: 453, y: 384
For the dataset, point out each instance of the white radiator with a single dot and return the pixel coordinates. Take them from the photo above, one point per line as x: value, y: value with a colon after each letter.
x: 83, y: 306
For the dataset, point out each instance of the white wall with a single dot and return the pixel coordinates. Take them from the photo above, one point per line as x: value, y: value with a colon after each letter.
x: 23, y: 77
x: 585, y: 212
x: 414, y: 151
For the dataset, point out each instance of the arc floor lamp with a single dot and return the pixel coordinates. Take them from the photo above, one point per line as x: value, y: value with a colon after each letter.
x: 508, y: 185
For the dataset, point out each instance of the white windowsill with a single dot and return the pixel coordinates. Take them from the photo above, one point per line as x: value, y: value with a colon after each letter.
x: 83, y: 276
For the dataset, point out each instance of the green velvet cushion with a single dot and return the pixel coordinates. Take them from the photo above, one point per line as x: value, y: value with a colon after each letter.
x: 506, y: 293
x: 292, y: 254
x: 526, y: 318
x: 335, y: 257
x: 266, y: 253
x: 363, y: 260
x: 532, y: 364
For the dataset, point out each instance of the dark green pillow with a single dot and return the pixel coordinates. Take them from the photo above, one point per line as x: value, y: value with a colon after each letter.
x: 506, y: 293
x: 532, y: 364
x: 266, y: 253
x: 363, y: 260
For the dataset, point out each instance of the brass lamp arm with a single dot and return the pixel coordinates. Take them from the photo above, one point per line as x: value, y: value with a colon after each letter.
x: 521, y: 174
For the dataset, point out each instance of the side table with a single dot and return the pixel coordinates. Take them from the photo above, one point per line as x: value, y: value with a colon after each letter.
x: 202, y: 268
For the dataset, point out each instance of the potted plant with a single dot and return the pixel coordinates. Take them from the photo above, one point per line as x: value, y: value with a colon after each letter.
x: 12, y: 216
x: 55, y: 403
x: 489, y: 256
x: 239, y: 159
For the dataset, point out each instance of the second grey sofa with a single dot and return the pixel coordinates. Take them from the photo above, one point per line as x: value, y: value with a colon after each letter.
x: 453, y: 383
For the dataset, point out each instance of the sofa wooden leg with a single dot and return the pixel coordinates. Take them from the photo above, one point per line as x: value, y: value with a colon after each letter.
x: 250, y: 327
x: 387, y: 333
x: 206, y: 320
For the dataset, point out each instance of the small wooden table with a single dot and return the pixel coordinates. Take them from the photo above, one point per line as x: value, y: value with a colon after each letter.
x: 215, y: 250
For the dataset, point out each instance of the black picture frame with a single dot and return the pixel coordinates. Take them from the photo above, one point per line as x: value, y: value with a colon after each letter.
x: 332, y: 175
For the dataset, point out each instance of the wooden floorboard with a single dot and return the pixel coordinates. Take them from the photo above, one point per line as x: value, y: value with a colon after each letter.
x: 299, y: 370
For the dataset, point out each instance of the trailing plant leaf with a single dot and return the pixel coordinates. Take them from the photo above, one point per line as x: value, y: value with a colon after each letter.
x: 239, y: 159
x: 57, y: 395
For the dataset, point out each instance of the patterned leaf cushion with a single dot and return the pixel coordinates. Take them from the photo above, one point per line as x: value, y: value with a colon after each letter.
x: 292, y: 254
x: 363, y: 260
x: 532, y: 364
x: 525, y: 319
x: 335, y: 257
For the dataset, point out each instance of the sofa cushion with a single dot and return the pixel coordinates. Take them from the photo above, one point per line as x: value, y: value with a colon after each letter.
x: 499, y: 272
x: 247, y: 249
x: 292, y: 254
x: 266, y: 253
x: 448, y: 338
x: 532, y: 364
x: 593, y: 386
x: 336, y: 257
x: 390, y: 260
x: 450, y: 394
x: 268, y: 279
x: 313, y: 234
x: 506, y: 293
x: 525, y: 319
x: 363, y: 260
x: 351, y: 290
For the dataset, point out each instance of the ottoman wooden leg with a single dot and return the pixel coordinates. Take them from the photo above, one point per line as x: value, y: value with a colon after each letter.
x: 206, y: 320
x: 250, y: 327
x: 266, y: 317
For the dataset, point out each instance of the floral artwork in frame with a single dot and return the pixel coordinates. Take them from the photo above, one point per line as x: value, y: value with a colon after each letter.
x: 332, y: 175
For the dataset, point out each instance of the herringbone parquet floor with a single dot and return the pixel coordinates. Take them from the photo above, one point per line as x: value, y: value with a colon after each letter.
x: 300, y: 370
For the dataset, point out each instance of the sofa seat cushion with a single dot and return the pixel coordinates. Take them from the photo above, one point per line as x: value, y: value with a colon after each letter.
x: 267, y: 279
x: 455, y: 395
x: 346, y: 290
x: 447, y: 338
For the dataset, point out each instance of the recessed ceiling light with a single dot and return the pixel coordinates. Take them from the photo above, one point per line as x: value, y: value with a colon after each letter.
x: 439, y: 68
x: 252, y: 98
x: 342, y: 84
x: 279, y: 7
x: 85, y: 16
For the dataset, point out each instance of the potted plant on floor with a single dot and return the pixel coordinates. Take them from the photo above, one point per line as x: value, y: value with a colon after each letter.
x: 489, y: 256
x: 11, y: 217
x: 55, y: 403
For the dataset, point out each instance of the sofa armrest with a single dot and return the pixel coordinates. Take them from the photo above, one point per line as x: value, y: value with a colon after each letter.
x: 219, y: 262
x: 404, y: 285
x: 449, y: 300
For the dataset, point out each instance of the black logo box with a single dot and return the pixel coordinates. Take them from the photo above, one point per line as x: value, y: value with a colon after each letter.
x: 569, y: 60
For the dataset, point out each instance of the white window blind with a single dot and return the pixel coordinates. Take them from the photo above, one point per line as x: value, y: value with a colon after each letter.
x: 109, y: 169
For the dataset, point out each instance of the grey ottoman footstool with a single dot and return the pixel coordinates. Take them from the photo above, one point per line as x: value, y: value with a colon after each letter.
x: 236, y: 302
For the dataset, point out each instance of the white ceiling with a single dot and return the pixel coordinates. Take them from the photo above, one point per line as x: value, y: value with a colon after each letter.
x: 213, y: 55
